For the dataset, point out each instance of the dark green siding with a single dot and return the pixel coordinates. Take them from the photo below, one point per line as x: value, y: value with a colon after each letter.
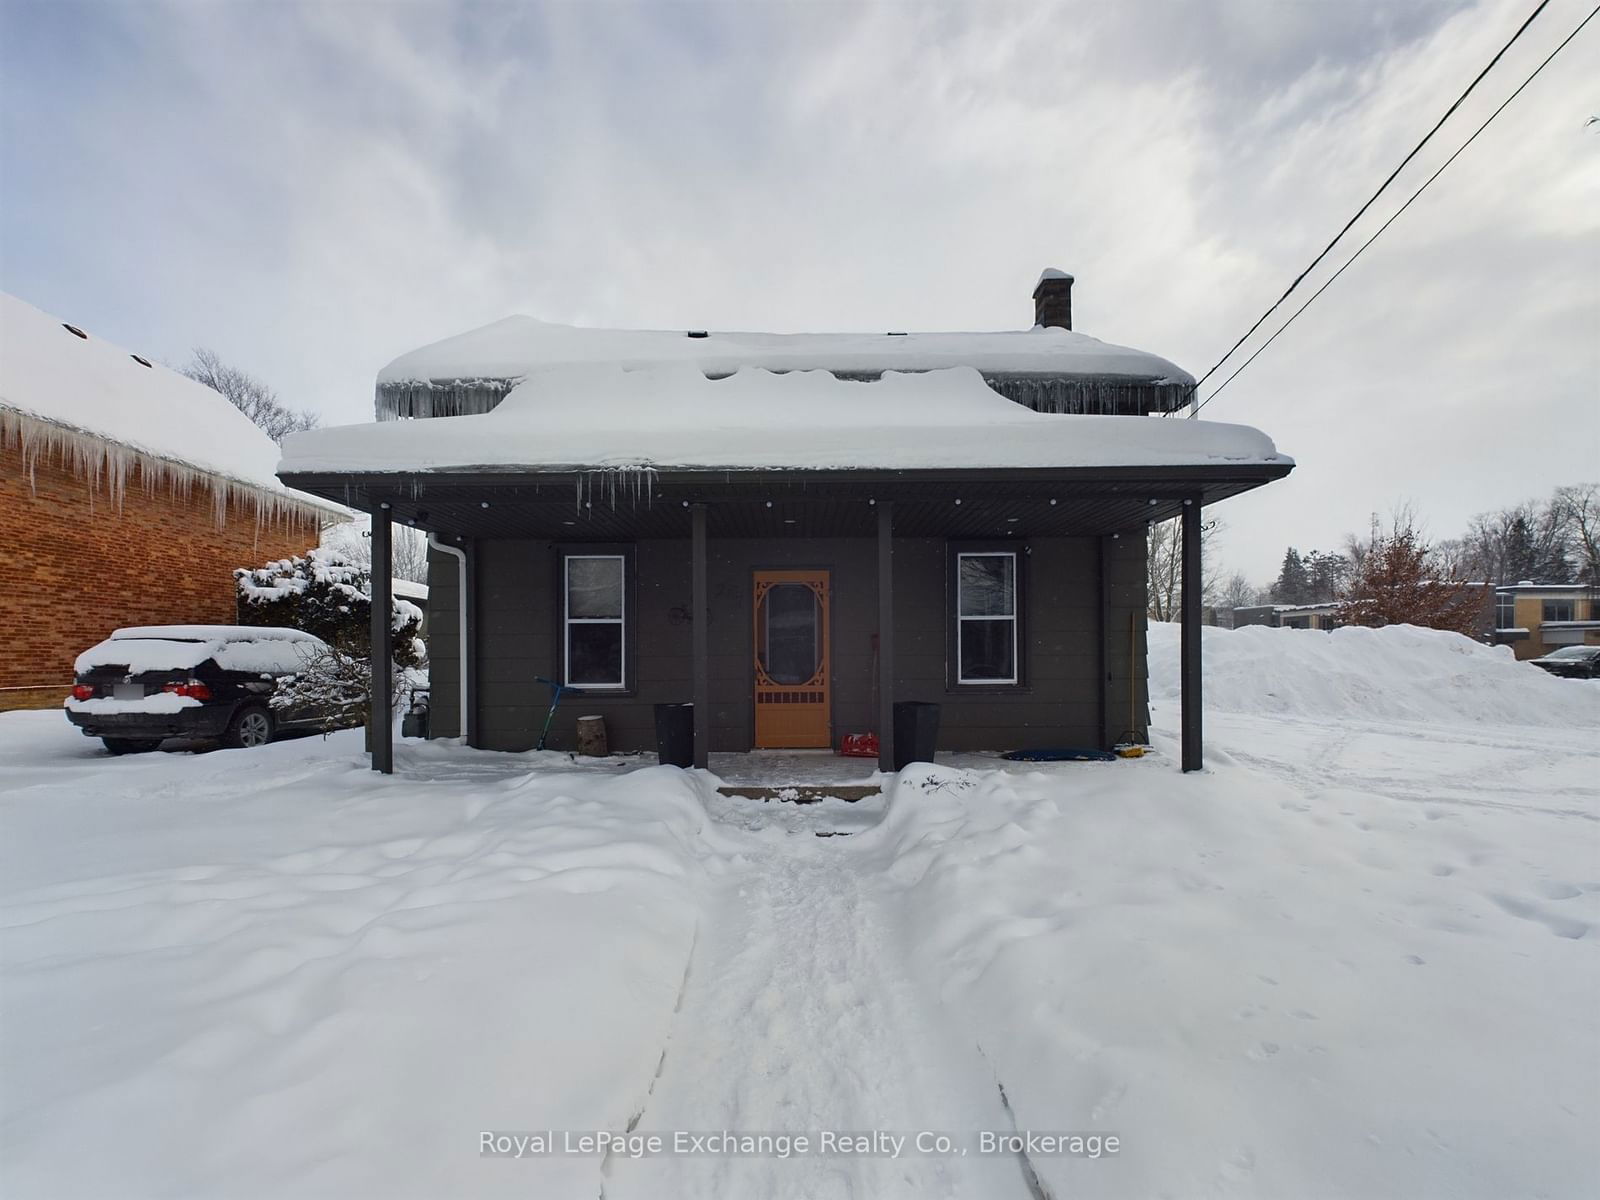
x: 1060, y: 703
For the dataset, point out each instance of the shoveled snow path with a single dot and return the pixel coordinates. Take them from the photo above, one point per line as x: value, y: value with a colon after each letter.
x: 799, y: 1016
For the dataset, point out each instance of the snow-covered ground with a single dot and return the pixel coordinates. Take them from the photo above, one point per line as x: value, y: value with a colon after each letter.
x: 1358, y: 956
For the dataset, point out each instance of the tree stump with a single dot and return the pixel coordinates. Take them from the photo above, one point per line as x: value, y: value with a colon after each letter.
x: 592, y: 737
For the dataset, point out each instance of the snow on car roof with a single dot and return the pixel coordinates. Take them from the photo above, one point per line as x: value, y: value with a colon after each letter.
x: 265, y: 648
x: 606, y: 417
x: 214, y: 633
x: 517, y: 346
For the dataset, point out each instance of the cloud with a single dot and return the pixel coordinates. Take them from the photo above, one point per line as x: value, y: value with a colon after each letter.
x: 314, y: 189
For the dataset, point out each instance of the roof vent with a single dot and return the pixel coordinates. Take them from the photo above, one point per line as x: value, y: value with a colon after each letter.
x: 697, y: 333
x: 75, y: 331
x: 1052, y: 300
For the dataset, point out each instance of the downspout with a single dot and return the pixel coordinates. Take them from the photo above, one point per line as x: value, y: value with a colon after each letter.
x: 461, y: 621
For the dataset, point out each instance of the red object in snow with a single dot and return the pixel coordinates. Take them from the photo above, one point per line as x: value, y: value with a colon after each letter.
x: 859, y: 745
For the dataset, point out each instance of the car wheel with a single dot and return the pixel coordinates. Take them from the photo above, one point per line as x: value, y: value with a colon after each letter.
x: 251, y: 726
x: 131, y: 745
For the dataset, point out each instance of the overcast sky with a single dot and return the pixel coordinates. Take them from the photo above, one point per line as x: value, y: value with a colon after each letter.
x: 314, y: 189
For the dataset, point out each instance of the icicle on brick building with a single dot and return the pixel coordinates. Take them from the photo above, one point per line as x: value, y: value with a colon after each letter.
x: 790, y: 531
x: 128, y: 494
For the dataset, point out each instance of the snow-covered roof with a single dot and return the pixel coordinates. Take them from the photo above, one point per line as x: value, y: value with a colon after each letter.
x: 515, y: 347
x: 582, y: 418
x: 57, y: 387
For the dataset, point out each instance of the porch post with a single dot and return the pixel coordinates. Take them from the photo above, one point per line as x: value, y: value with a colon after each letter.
x: 1103, y: 651
x: 701, y: 649
x: 885, y: 635
x: 1190, y: 636
x: 380, y: 707
x: 469, y: 669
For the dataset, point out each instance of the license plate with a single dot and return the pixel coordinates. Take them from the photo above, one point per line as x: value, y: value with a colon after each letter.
x: 128, y: 691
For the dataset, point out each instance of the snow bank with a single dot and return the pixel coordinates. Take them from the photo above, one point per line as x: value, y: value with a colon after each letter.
x: 1266, y: 986
x: 273, y: 973
x: 519, y: 346
x: 1399, y: 673
x: 267, y: 649
x: 69, y: 395
x: 608, y: 417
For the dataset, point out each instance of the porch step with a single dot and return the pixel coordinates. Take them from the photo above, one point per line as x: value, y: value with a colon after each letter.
x: 803, y: 793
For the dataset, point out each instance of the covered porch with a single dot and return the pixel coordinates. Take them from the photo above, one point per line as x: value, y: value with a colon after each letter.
x: 694, y: 542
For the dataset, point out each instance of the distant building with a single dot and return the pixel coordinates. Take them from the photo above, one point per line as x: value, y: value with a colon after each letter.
x: 1536, y: 618
x: 128, y: 495
x: 1286, y: 616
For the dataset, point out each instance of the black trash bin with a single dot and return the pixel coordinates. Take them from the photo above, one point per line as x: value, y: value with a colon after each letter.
x: 916, y: 732
x: 675, y: 734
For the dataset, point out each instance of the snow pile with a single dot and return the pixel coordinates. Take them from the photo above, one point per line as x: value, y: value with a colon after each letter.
x: 104, y: 412
x: 272, y: 973
x: 518, y: 346
x: 1398, y: 673
x: 608, y: 417
x: 1326, y: 983
x: 265, y: 649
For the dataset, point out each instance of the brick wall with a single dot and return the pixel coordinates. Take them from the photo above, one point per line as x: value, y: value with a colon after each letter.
x: 73, y: 567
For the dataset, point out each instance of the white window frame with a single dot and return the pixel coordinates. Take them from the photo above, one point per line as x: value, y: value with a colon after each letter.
x: 568, y: 621
x: 1015, y: 618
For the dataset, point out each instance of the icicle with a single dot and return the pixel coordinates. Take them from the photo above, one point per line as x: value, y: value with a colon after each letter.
x: 93, y: 459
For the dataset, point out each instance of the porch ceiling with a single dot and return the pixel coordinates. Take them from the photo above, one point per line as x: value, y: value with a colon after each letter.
x: 604, y: 506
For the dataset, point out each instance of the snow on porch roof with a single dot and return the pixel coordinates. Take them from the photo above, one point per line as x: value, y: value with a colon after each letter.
x: 675, y: 418
x: 515, y: 347
x: 59, y: 387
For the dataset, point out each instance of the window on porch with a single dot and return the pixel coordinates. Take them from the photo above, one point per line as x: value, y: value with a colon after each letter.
x: 594, y: 619
x: 986, y: 617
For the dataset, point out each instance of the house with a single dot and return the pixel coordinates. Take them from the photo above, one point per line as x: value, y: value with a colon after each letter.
x: 1287, y: 616
x: 128, y: 494
x: 790, y: 531
x: 1537, y: 618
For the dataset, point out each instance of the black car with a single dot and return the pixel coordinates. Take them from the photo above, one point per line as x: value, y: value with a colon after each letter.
x: 1575, y: 662
x: 141, y: 686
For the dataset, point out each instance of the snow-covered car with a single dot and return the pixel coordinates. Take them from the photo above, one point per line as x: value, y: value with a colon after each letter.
x: 148, y: 683
x: 1575, y: 662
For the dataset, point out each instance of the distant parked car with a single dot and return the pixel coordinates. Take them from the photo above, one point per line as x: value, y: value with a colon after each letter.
x: 143, y: 685
x: 1575, y: 662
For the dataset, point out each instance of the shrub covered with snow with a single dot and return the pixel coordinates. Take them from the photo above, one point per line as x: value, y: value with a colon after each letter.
x: 326, y: 594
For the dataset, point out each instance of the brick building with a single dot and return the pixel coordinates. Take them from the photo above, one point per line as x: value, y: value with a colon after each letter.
x: 128, y: 494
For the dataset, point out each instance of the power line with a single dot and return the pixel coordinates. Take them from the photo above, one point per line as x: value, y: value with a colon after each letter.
x: 1361, y: 212
x: 1592, y: 14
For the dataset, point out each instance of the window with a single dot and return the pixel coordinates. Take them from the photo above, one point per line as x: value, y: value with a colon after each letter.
x: 1505, y: 610
x: 986, y: 617
x: 593, y: 619
x: 1558, y: 610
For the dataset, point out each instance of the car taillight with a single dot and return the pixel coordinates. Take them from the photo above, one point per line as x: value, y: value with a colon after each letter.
x: 82, y: 691
x: 194, y: 689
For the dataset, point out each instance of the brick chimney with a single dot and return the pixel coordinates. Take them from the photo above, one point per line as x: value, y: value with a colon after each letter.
x: 1052, y: 299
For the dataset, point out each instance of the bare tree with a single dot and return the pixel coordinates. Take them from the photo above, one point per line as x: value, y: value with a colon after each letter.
x: 1164, y: 567
x: 408, y: 548
x: 1580, y: 505
x: 248, y: 394
x: 1237, y: 592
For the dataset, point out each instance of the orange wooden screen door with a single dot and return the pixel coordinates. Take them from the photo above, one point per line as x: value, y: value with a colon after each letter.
x: 791, y: 667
